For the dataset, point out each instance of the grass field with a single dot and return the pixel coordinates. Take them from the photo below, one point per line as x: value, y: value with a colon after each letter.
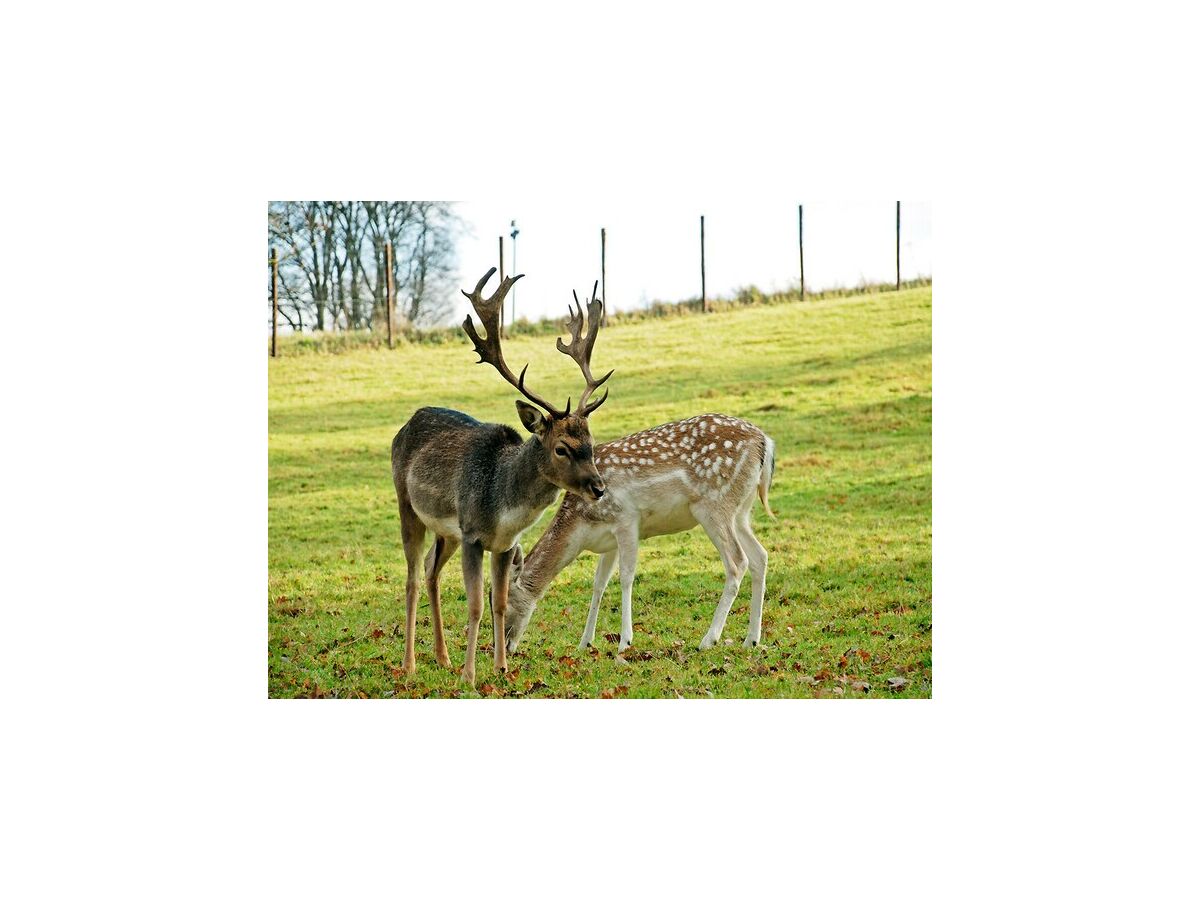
x: 842, y: 385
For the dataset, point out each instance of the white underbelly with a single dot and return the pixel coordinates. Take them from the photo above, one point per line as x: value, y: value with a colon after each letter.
x: 668, y: 518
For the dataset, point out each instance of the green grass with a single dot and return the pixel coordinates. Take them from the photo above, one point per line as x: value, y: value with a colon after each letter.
x: 843, y: 386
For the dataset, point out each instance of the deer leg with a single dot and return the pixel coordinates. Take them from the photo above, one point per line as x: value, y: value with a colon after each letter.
x: 627, y: 550
x: 720, y: 532
x: 501, y: 565
x: 472, y: 562
x: 443, y: 548
x: 757, y: 557
x: 604, y: 570
x: 412, y: 532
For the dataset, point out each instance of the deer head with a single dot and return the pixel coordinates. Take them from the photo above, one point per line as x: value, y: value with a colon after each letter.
x: 564, y: 435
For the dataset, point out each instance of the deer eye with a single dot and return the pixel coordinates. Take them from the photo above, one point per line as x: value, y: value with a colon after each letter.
x: 559, y: 451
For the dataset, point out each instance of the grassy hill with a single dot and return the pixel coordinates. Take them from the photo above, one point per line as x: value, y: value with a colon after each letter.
x: 842, y: 385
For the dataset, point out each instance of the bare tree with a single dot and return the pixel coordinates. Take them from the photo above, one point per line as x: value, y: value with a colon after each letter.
x: 332, y: 260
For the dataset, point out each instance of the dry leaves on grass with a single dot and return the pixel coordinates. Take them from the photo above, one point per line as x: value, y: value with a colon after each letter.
x: 897, y: 683
x: 621, y: 690
x: 631, y: 655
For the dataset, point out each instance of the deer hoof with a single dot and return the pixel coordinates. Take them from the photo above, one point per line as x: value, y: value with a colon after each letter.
x: 750, y: 642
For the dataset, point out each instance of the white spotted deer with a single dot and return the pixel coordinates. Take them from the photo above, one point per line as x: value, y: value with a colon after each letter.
x: 480, y: 486
x: 703, y: 471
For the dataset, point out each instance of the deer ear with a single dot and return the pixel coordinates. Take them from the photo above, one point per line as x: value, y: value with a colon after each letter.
x: 532, y: 418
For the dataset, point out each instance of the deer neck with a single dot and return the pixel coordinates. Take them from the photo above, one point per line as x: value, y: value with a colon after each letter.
x: 522, y: 478
x: 556, y: 549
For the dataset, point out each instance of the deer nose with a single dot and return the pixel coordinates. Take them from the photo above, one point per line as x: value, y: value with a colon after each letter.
x: 597, y: 489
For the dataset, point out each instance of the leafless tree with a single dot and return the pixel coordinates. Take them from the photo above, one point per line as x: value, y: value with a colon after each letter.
x: 333, y: 260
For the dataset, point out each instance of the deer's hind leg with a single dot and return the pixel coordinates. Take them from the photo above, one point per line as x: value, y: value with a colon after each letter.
x: 757, y: 557
x: 435, y: 560
x: 412, y: 533
x: 720, y: 530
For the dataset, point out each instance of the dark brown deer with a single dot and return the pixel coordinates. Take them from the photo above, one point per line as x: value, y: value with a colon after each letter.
x: 480, y: 486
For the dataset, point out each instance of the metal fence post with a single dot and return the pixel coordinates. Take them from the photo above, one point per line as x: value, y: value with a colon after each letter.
x: 603, y: 280
x: 897, y: 245
x: 801, y: 251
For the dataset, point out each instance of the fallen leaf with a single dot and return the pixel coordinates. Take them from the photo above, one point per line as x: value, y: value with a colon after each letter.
x: 897, y: 683
x: 377, y: 633
x: 612, y: 638
x: 864, y: 655
x: 861, y: 686
x: 838, y: 690
x: 620, y: 660
x: 488, y: 690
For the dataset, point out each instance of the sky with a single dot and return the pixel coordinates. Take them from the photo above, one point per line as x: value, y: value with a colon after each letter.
x: 653, y: 247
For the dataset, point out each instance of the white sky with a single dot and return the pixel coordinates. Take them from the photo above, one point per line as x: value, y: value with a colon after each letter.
x: 654, y: 247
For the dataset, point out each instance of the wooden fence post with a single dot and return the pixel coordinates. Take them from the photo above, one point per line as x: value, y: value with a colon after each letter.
x: 703, y: 286
x: 274, y: 301
x: 603, y: 281
x: 801, y: 251
x: 897, y: 245
x: 390, y: 306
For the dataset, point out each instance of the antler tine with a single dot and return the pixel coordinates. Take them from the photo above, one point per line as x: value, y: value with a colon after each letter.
x: 580, y: 348
x: 488, y: 347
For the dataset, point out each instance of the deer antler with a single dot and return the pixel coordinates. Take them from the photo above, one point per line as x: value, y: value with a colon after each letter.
x: 488, y: 347
x: 581, y: 350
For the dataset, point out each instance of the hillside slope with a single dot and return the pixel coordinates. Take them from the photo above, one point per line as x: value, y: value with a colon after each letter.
x: 844, y: 388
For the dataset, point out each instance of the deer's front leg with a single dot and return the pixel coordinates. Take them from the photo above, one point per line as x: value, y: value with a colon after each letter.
x: 500, y: 569
x: 472, y: 561
x: 627, y: 548
x: 604, y: 570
